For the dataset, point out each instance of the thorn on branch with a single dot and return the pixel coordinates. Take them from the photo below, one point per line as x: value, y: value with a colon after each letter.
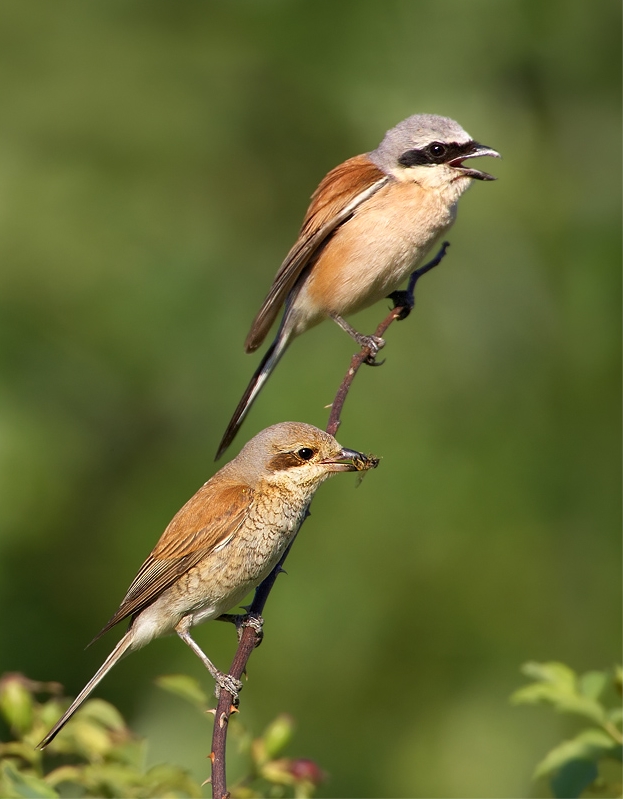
x: 370, y: 360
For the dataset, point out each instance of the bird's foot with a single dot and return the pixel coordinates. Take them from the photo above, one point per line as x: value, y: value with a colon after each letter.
x: 229, y: 684
x: 373, y: 344
x: 254, y: 621
x: 242, y: 620
x: 405, y: 300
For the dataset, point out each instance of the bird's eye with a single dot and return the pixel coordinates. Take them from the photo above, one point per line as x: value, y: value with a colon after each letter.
x: 436, y: 149
x: 305, y: 453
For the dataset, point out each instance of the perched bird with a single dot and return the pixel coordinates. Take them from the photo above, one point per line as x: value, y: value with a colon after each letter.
x: 371, y: 222
x: 224, y: 541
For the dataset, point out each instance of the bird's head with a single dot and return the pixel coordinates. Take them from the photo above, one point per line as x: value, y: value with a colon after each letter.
x: 292, y: 453
x: 430, y: 150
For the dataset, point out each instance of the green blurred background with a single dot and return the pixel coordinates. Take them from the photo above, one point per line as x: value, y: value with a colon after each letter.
x: 155, y: 163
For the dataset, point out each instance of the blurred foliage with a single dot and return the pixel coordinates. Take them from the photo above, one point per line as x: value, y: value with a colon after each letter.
x: 573, y: 765
x: 95, y: 754
x: 266, y: 774
x: 156, y: 160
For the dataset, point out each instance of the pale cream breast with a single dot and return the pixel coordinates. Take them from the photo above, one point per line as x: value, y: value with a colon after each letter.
x: 372, y: 254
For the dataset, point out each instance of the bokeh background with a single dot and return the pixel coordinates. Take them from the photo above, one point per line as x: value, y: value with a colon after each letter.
x: 156, y: 159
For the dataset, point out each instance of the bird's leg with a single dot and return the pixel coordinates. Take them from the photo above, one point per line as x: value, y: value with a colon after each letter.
x: 405, y: 299
x: 372, y: 343
x: 242, y: 620
x: 225, y: 681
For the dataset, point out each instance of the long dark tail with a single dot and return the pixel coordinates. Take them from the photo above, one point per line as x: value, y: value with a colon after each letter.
x: 118, y: 652
x: 261, y: 375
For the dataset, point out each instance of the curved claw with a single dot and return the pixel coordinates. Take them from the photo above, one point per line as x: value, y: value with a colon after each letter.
x: 231, y: 685
x: 374, y: 344
x: 403, y: 300
x: 242, y: 620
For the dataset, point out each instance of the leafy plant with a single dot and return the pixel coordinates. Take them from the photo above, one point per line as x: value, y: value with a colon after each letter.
x: 97, y: 755
x: 573, y: 766
x: 269, y: 774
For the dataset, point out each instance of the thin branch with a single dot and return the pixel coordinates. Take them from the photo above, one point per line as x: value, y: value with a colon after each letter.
x: 405, y: 301
x: 250, y: 625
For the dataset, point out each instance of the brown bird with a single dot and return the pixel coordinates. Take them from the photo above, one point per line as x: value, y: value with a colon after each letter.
x: 224, y: 541
x: 371, y: 221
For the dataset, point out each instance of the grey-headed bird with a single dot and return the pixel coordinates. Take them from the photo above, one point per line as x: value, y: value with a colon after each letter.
x: 224, y: 541
x: 371, y: 221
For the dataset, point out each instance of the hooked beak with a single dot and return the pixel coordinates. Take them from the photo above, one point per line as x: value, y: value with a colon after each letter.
x: 349, y: 460
x: 476, y: 151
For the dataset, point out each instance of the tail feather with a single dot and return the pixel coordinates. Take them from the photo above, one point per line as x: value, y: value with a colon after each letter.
x: 118, y: 652
x: 261, y: 375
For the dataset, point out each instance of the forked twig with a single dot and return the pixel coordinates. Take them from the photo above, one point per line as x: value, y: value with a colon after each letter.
x: 250, y: 624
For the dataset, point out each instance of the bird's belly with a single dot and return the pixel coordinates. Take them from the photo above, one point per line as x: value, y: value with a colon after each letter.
x: 371, y: 255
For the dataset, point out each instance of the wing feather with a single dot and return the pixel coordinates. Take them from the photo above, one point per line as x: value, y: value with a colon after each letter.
x: 208, y: 520
x: 339, y: 194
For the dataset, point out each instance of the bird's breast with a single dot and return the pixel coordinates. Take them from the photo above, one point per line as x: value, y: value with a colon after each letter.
x: 371, y: 255
x: 225, y: 576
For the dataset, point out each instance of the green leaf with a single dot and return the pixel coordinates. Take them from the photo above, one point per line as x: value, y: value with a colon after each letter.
x: 562, y: 702
x: 16, y: 703
x: 278, y: 735
x: 103, y: 713
x: 110, y: 779
x: 554, y: 672
x: 164, y: 779
x: 186, y: 687
x: 50, y: 712
x: 573, y: 778
x: 20, y: 749
x: 64, y: 774
x: 17, y: 784
x: 278, y: 771
x: 590, y: 744
x: 616, y: 715
x: 593, y: 683
x: 83, y: 737
x: 558, y: 685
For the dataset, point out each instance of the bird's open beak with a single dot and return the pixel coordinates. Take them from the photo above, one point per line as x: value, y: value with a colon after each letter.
x: 477, y: 151
x: 348, y: 460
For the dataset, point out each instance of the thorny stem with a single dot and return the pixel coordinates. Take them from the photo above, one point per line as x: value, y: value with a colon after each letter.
x: 250, y: 638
